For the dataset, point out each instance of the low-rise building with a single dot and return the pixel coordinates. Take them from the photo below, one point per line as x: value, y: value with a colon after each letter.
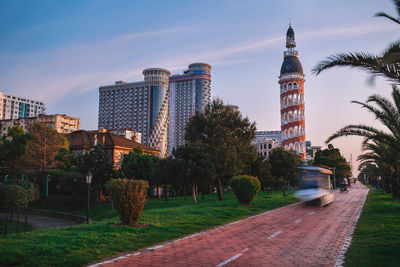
x: 129, y: 134
x: 81, y: 142
x: 261, y: 135
x: 265, y: 146
x: 61, y: 123
x: 311, y: 151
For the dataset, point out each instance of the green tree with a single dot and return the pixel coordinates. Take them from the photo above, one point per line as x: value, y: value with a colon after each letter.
x: 12, y: 148
x: 65, y: 159
x: 43, y: 146
x: 386, y: 64
x: 284, y: 167
x: 226, y: 136
x: 98, y: 162
x: 194, y: 165
x: 137, y: 165
x: 331, y: 157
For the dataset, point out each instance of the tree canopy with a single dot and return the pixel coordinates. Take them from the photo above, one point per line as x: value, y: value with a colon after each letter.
x: 226, y: 136
x: 284, y: 165
x: 331, y: 157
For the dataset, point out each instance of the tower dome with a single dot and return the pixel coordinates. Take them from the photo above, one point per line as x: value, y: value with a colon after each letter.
x: 291, y: 64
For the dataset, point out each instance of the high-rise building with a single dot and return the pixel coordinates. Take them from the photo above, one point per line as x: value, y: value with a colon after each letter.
x: 189, y: 93
x: 291, y: 81
x: 14, y: 107
x: 141, y: 106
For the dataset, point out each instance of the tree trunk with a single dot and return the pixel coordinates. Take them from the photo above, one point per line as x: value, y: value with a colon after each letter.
x: 209, y: 188
x: 284, y: 190
x: 220, y: 192
x: 26, y: 220
x: 202, y: 194
x: 158, y: 192
x: 6, y: 226
x: 194, y: 193
x: 17, y: 220
x: 184, y: 192
x: 166, y: 194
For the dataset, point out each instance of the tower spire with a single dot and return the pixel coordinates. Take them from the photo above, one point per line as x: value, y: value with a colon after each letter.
x: 290, y: 42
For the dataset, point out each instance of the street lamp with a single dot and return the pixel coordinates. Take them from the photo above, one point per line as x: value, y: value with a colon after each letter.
x: 74, y: 205
x: 89, y: 177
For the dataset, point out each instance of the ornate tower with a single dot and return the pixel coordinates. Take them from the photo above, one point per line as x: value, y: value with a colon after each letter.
x: 291, y: 81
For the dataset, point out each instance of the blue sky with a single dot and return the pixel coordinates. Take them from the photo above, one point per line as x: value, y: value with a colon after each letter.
x: 62, y: 51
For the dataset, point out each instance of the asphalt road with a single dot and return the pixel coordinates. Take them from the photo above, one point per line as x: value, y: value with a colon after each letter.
x: 295, y: 235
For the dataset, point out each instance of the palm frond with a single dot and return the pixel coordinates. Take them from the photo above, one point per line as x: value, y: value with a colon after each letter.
x: 360, y: 60
x: 356, y: 130
x: 383, y: 14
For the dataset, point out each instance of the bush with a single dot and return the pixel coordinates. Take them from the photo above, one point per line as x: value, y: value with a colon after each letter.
x: 128, y: 197
x: 30, y: 187
x: 13, y: 197
x: 245, y: 188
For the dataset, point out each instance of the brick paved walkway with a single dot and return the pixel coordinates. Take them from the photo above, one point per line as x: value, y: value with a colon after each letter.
x: 294, y: 235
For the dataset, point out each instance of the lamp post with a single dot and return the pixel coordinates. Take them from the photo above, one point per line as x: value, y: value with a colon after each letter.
x: 89, y: 177
x: 74, y: 206
x: 47, y: 185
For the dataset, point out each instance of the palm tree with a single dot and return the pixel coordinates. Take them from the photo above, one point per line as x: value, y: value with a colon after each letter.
x: 387, y: 64
x: 381, y: 160
x: 382, y: 147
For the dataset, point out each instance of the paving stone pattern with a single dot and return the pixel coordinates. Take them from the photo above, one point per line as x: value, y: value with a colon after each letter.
x: 296, y: 235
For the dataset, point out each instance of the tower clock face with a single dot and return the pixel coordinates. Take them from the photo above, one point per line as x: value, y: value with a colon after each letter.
x: 288, y: 67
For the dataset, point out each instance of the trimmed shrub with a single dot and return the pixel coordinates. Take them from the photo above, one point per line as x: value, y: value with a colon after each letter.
x: 13, y: 197
x: 245, y: 187
x: 32, y: 188
x: 128, y: 197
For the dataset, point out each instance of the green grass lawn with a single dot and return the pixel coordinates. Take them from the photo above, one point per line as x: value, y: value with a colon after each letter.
x: 376, y: 240
x: 12, y: 226
x: 82, y: 244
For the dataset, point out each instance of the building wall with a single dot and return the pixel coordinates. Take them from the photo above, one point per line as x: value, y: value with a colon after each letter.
x: 190, y: 92
x: 61, y: 123
x: 264, y: 147
x: 141, y: 106
x: 275, y: 135
x: 14, y: 107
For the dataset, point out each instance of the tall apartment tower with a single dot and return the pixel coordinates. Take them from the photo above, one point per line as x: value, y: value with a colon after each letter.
x: 189, y: 93
x: 141, y: 106
x: 291, y: 81
x: 15, y: 107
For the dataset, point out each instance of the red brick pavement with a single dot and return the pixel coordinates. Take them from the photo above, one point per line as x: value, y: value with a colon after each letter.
x: 295, y: 235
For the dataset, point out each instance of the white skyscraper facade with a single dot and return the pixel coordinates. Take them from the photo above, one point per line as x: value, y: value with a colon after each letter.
x: 141, y: 106
x: 190, y: 92
x: 14, y: 107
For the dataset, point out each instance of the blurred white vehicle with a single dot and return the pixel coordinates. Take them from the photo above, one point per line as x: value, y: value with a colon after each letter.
x: 314, y: 185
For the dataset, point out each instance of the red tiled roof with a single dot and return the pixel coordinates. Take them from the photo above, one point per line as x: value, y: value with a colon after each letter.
x: 86, y: 139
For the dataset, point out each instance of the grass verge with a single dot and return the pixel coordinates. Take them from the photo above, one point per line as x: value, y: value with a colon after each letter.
x: 376, y: 239
x: 82, y: 244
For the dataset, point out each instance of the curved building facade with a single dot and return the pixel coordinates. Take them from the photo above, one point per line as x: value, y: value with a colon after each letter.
x: 291, y: 81
x: 190, y: 92
x: 142, y: 106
